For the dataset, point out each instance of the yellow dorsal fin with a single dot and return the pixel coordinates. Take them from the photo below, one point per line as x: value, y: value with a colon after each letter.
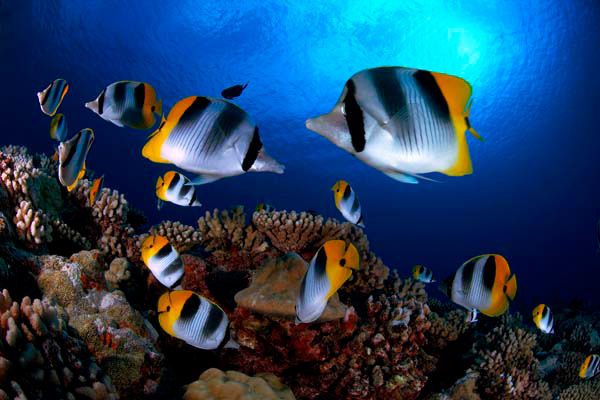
x: 335, y: 251
x: 511, y: 287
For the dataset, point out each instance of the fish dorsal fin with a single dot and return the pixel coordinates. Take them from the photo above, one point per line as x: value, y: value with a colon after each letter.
x: 511, y: 287
x: 456, y: 91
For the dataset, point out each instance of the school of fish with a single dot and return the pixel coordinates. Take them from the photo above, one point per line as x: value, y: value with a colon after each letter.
x: 404, y: 122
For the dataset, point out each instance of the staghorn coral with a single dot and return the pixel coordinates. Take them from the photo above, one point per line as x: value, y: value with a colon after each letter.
x: 230, y: 242
x: 182, y: 237
x: 118, y: 336
x: 40, y: 358
x: 297, y: 232
x: 380, y: 357
x: 215, y: 384
x: 506, y: 365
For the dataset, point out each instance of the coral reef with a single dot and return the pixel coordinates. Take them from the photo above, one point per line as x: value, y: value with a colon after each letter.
x: 94, y: 332
x: 120, y: 338
x: 40, y: 358
x: 230, y: 242
x: 215, y: 384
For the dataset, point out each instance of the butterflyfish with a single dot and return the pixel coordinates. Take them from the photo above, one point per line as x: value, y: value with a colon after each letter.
x: 330, y: 267
x: 402, y: 121
x: 51, y: 97
x: 422, y: 273
x: 96, y: 188
x: 347, y: 202
x: 590, y: 367
x: 71, y: 157
x: 128, y: 103
x: 58, y: 128
x: 174, y: 187
x: 163, y: 261
x: 543, y: 319
x: 212, y: 138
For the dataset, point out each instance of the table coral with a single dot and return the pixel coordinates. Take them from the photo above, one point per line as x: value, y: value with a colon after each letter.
x: 40, y: 358
x: 215, y: 384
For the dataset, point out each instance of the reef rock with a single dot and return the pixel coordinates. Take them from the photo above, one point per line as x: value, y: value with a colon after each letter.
x: 276, y: 286
x: 215, y: 384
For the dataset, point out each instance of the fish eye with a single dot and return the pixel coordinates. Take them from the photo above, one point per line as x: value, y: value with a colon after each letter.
x: 153, y: 108
x: 343, y: 262
x: 168, y: 308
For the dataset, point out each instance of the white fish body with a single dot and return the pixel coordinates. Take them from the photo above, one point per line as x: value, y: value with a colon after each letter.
x: 205, y: 328
x: 72, y: 155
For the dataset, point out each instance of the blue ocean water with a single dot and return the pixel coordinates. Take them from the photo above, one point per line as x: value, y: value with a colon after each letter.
x: 534, y: 195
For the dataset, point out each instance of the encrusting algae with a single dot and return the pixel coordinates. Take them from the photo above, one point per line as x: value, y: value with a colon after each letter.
x: 94, y: 332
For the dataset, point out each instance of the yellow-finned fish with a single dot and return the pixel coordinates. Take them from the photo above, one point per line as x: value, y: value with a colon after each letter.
x: 590, y: 367
x: 163, y: 261
x: 128, y: 103
x: 346, y: 201
x: 194, y: 319
x: 212, y: 138
x: 264, y: 207
x: 543, y: 319
x: 174, y: 188
x: 483, y: 283
x: 71, y: 157
x: 422, y: 273
x: 58, y: 128
x: 402, y: 121
x: 330, y: 267
x: 96, y: 188
x: 51, y: 97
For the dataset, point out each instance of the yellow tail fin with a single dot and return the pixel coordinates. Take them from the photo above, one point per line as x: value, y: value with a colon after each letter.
x: 511, y: 287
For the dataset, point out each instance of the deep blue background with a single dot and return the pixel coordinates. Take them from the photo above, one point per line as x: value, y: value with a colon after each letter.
x: 534, y: 66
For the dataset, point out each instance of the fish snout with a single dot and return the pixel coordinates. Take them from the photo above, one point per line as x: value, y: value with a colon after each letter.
x: 92, y: 105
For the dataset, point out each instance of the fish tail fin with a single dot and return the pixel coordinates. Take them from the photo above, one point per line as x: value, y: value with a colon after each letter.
x: 158, y: 109
x: 202, y: 179
x: 511, y: 287
x: 463, y: 165
x: 231, y: 344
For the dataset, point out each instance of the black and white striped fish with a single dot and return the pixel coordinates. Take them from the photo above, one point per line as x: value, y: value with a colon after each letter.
x: 483, y: 283
x: 212, y: 138
x: 128, y: 103
x: 347, y: 202
x: 590, y: 367
x: 163, y: 261
x: 174, y: 188
x: 402, y: 121
x: 71, y: 157
x: 543, y: 319
x: 194, y: 319
x: 51, y: 97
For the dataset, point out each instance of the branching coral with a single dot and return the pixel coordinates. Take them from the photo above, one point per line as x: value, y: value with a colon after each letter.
x: 214, y: 384
x: 230, y: 242
x: 507, y: 367
x: 182, y: 237
x: 41, y: 359
x: 582, y: 391
x: 380, y: 357
x: 297, y: 232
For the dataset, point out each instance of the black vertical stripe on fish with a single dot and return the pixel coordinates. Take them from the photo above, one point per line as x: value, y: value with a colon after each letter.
x: 545, y: 312
x: 72, y: 149
x: 355, y: 205
x: 192, y: 113
x: 467, y: 275
x: 354, y: 118
x: 252, y: 153
x: 139, y: 95
x: 192, y: 199
x: 389, y: 90
x: 489, y: 272
x: 213, y: 320
x: 433, y: 94
x: 101, y: 102
x: 174, y: 182
x: 177, y: 282
x: 347, y: 193
x: 190, y: 308
x: 119, y: 94
x: 320, y: 264
x: 228, y: 121
x: 360, y: 220
x: 173, y: 267
x: 164, y: 251
x: 185, y: 190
